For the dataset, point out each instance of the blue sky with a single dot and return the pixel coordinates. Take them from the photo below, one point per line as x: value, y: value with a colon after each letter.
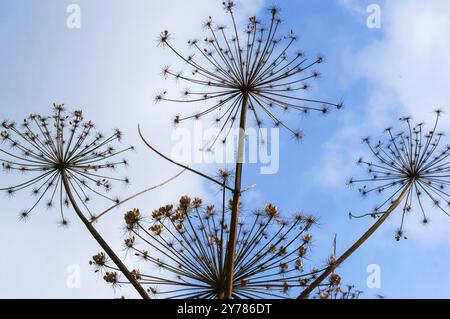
x: 111, y: 65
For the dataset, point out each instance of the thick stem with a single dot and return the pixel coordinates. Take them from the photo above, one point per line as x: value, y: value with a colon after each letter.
x: 231, y: 249
x: 357, y: 244
x: 100, y: 239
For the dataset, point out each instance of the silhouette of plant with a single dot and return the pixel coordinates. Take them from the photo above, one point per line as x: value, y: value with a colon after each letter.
x: 240, y: 73
x: 336, y: 291
x: 410, y: 166
x: 187, y: 245
x: 68, y: 161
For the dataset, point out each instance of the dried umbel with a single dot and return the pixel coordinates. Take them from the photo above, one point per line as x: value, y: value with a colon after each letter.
x: 99, y: 260
x: 411, y: 162
x: 336, y: 291
x: 411, y: 167
x: 48, y: 147
x: 110, y: 277
x: 187, y: 243
x: 250, y: 73
x: 255, y: 70
x: 69, y: 163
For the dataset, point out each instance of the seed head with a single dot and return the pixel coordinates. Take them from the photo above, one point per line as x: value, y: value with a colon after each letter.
x: 255, y: 68
x: 412, y: 161
x: 60, y: 152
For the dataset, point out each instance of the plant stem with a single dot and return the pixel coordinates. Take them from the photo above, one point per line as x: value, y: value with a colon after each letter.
x: 100, y: 239
x: 357, y: 244
x: 231, y: 249
x: 137, y: 195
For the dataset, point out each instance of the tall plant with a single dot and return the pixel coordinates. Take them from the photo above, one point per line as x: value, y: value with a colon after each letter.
x: 68, y: 161
x: 248, y: 73
x: 411, y: 167
x: 186, y: 244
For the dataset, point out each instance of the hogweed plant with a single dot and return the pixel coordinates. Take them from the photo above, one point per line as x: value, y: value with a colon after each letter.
x: 412, y: 168
x: 335, y: 291
x: 183, y: 249
x: 68, y: 162
x: 253, y: 72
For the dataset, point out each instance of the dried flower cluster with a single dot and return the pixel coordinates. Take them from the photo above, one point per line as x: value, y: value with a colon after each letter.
x: 187, y: 244
x: 47, y: 146
x: 336, y: 291
x: 409, y: 166
x: 197, y: 251
x: 255, y: 69
x: 250, y: 73
x: 410, y: 161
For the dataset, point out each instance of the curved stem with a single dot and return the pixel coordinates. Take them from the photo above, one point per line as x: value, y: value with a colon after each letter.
x: 179, y: 164
x: 100, y: 239
x: 136, y: 195
x: 357, y: 244
x: 231, y: 248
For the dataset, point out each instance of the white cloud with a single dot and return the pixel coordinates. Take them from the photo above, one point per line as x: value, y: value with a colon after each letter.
x: 407, y: 71
x: 352, y: 6
x: 412, y: 60
x: 338, y: 166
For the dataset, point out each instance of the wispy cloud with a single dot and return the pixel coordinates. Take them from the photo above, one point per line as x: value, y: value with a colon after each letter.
x: 353, y: 6
x: 406, y: 72
x: 411, y: 62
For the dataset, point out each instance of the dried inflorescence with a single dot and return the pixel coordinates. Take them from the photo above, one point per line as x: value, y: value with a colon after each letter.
x: 333, y: 287
x: 99, y: 260
x: 187, y: 243
x: 63, y: 143
x: 408, y: 161
x: 336, y: 291
x: 252, y: 68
